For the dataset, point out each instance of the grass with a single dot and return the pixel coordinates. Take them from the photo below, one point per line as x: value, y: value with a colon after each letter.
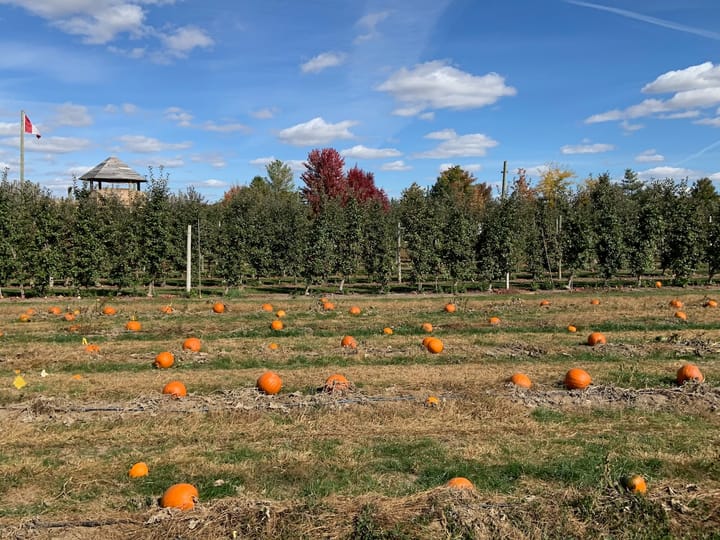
x: 545, y: 463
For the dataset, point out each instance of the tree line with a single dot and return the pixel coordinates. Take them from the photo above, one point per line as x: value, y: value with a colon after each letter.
x: 339, y: 225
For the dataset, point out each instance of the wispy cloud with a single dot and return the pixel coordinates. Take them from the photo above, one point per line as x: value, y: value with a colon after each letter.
x: 322, y: 61
x: 648, y: 19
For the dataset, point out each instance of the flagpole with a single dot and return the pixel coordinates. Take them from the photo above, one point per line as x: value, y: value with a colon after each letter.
x: 22, y: 146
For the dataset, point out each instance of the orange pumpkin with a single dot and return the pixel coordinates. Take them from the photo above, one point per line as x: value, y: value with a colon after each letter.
x: 182, y: 496
x: 25, y: 317
x: 54, y: 310
x: 328, y: 306
x: 273, y: 346
x: 354, y: 310
x: 427, y: 327
x: 167, y: 310
x: 450, y: 308
x: 432, y: 401
x: 689, y: 372
x: 595, y: 302
x: 434, y: 346
x: 138, y: 470
x: 676, y: 303
x: 544, y: 303
x: 388, y: 331
x: 521, y: 380
x: 218, y: 307
x: 164, y: 360
x: 572, y: 329
x: 596, y: 338
x: 459, y: 482
x: 711, y: 304
x: 269, y: 383
x: 133, y: 326
x: 577, y: 379
x: 92, y: 348
x: 74, y: 328
x: 349, y: 342
x: 109, y: 310
x: 336, y: 383
x: 267, y: 307
x: 494, y: 321
x: 175, y: 388
x: 31, y: 311
x: 681, y: 315
x: 634, y: 484
x: 192, y: 344
x: 658, y: 284
x: 69, y: 317
x: 277, y: 324
x: 280, y: 314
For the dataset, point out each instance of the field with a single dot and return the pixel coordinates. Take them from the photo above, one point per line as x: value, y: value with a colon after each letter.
x: 370, y: 462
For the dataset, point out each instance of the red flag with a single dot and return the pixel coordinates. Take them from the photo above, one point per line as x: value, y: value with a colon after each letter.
x: 29, y: 128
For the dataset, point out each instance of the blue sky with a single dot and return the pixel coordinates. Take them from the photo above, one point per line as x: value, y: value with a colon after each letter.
x: 213, y: 90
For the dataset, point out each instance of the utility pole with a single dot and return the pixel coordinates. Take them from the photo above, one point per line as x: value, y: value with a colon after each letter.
x: 503, y: 194
x: 399, y: 259
x: 22, y: 146
x: 199, y: 260
x: 188, y: 267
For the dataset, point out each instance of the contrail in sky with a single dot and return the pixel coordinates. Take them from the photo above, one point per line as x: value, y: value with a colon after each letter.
x: 648, y: 19
x: 699, y: 153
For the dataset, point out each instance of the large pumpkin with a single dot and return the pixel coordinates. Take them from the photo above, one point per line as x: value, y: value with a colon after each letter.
x: 267, y: 307
x: 460, y: 482
x: 676, y: 303
x: 218, y: 307
x: 521, y: 380
x: 175, y: 388
x: 434, y: 345
x: 689, y: 372
x: 450, y: 308
x: 138, y: 470
x: 349, y: 342
x: 355, y: 310
x: 182, y: 496
x: 277, y: 324
x: 164, y: 360
x: 109, y: 310
x: 577, y: 379
x: 133, y: 326
x: 596, y: 338
x: 269, y: 383
x: 192, y: 344
x: 54, y: 310
x: 336, y: 383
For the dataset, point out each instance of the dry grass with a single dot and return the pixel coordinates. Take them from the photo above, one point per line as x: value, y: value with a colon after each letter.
x: 368, y: 464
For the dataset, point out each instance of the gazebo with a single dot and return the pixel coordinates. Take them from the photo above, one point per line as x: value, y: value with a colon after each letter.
x: 114, y: 176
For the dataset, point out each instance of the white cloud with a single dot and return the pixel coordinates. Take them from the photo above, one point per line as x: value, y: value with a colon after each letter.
x: 398, y: 165
x: 430, y: 115
x: 704, y: 75
x: 714, y: 122
x: 297, y: 165
x: 438, y: 85
x: 472, y: 167
x: 9, y: 128
x: 266, y: 113
x: 363, y: 152
x: 368, y: 25
x: 142, y: 144
x: 48, y: 145
x: 471, y: 145
x: 213, y: 159
x: 667, y: 172
x: 443, y: 134
x: 102, y: 25
x: 179, y: 116
x: 68, y: 114
x: 715, y: 177
x: 225, y: 128
x: 262, y: 161
x: 183, y: 40
x: 166, y: 163
x: 323, y: 61
x: 596, y: 148
x: 316, y: 131
x: 680, y: 115
x: 649, y: 156
x: 214, y: 183
x: 127, y: 108
x: 629, y: 128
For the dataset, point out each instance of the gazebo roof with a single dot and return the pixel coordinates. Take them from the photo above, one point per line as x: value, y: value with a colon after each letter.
x: 112, y: 170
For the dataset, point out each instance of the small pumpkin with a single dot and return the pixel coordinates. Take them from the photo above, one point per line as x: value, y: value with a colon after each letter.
x: 69, y: 317
x: 273, y: 346
x: 92, y: 348
x: 218, y: 307
x: 450, y: 308
x: 175, y: 388
x: 133, y: 326
x: 634, y: 484
x: 167, y: 310
x: 596, y: 338
x: 349, y: 342
x: 494, y: 321
x: 328, y: 306
x: 54, y: 310
x: 595, y: 302
x: 25, y: 317
x: 269, y: 383
x: 267, y: 307
x: 572, y: 329
x: 459, y: 482
x: 711, y: 304
x: 74, y: 328
x: 164, y: 360
x: 388, y: 331
x: 109, y: 310
x: 277, y: 324
x: 336, y: 383
x: 435, y: 346
x: 676, y: 303
x: 681, y: 315
x: 427, y: 327
x: 138, y: 470
x: 280, y: 313
x: 689, y: 372
x: 355, y: 310
x: 577, y: 379
x: 432, y: 401
x: 521, y: 380
x: 544, y: 303
x: 182, y: 496
x: 192, y: 344
x: 658, y: 284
